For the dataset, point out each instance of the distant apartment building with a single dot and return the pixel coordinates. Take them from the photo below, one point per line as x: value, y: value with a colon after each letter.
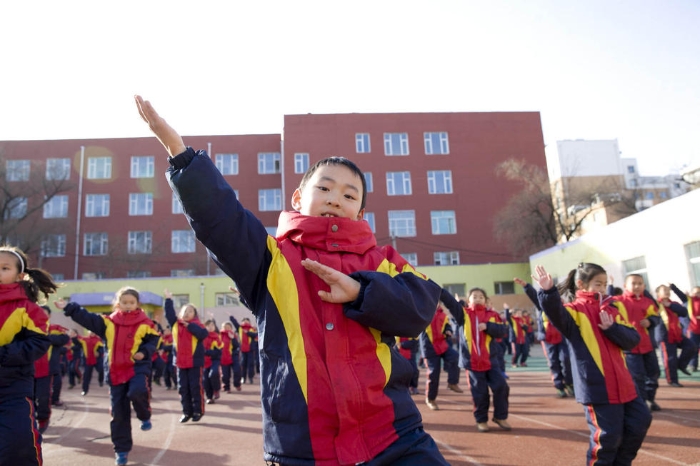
x: 432, y: 189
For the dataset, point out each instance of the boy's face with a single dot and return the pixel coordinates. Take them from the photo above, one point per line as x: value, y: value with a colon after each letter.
x: 635, y: 285
x: 332, y: 191
x: 663, y: 292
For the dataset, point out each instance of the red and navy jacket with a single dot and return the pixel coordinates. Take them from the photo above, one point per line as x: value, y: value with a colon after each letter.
x: 433, y: 340
x: 333, y: 392
x: 598, y: 362
x: 407, y: 346
x: 693, y: 304
x: 545, y: 330
x: 59, y: 338
x: 231, y: 346
x: 126, y: 333
x: 188, y: 338
x: 638, y: 309
x: 671, y: 331
x: 477, y: 348
x: 91, y: 348
x: 23, y: 340
x: 517, y: 328
x: 212, y: 348
x: 246, y: 334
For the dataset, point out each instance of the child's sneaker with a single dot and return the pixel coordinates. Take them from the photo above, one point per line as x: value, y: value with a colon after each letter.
x: 146, y: 425
x: 217, y: 395
x: 561, y: 393
x: 432, y: 404
x: 121, y: 458
x: 454, y: 387
x: 482, y: 427
x: 569, y: 389
x: 502, y: 423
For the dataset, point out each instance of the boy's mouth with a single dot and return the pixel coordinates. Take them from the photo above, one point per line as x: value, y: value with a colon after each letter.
x: 328, y: 215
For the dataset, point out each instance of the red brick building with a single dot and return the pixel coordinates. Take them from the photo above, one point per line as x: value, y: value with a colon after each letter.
x: 433, y: 189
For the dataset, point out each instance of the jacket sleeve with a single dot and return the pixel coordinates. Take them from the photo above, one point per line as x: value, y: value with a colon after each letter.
x: 413, y: 297
x: 149, y: 344
x: 453, y: 306
x: 531, y: 293
x: 87, y: 319
x: 200, y: 333
x: 623, y: 334
x: 682, y: 296
x: 30, y: 343
x: 59, y: 339
x: 234, y: 237
x: 541, y: 332
x: 496, y: 329
x: 550, y: 302
x: 235, y: 323
x: 681, y: 311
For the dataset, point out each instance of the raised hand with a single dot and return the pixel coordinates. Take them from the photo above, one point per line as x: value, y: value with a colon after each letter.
x: 343, y: 288
x: 165, y: 133
x: 167, y: 294
x: 520, y: 281
x: 543, y: 278
x: 606, y: 320
x: 60, y: 303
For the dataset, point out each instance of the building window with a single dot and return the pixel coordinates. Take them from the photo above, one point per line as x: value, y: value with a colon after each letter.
x: 17, y: 170
x: 268, y: 163
x: 16, y: 208
x: 57, y: 169
x: 663, y: 195
x: 411, y: 258
x: 142, y: 166
x: 440, y: 182
x: 402, y: 223
x: 141, y: 204
x: 692, y: 252
x: 56, y: 207
x: 176, y: 206
x: 227, y: 164
x: 140, y: 242
x: 446, y: 258
x: 182, y: 273
x: 369, y: 182
x: 443, y: 222
x: 650, y: 195
x: 637, y: 265
x: 91, y: 276
x: 58, y: 277
x: 226, y: 299
x: 53, y: 246
x: 182, y: 241
x: 97, y: 205
x: 630, y: 169
x: 301, y: 163
x: 436, y: 143
x: 398, y: 183
x: 99, y: 168
x: 369, y: 218
x: 362, y: 143
x: 395, y: 143
x: 269, y: 199
x: 504, y: 287
x: 138, y: 274
x: 95, y: 244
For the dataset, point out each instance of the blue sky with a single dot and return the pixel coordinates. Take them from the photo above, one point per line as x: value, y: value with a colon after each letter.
x: 595, y: 69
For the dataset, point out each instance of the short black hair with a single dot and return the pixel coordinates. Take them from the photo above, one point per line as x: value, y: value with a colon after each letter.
x: 329, y: 161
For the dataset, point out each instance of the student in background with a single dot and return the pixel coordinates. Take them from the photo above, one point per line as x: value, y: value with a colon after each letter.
x: 59, y: 339
x: 230, y: 358
x: 44, y: 369
x: 408, y: 347
x: 212, y: 362
x: 670, y: 336
x: 92, y: 348
x: 692, y: 300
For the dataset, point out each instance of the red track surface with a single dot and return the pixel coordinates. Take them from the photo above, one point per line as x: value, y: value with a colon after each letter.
x: 546, y: 430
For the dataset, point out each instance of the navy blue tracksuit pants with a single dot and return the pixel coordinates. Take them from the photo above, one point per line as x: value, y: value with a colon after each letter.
x: 672, y: 362
x: 450, y: 357
x: 57, y: 384
x: 248, y: 365
x: 20, y: 441
x: 559, y: 364
x: 479, y: 384
x: 190, y: 389
x: 134, y: 392
x: 645, y: 371
x: 211, y: 380
x: 229, y: 370
x: 617, y: 431
x: 42, y: 397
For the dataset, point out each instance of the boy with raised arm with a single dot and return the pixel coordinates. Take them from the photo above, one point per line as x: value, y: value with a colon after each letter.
x: 328, y: 303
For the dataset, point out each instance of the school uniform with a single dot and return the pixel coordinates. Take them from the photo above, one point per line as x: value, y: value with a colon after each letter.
x: 169, y: 370
x: 693, y: 305
x: 246, y: 337
x: 23, y: 340
x: 92, y: 349
x: 518, y: 338
x: 617, y: 416
x: 59, y: 338
x: 436, y: 351
x: 189, y: 359
x: 230, y: 360
x: 212, y: 362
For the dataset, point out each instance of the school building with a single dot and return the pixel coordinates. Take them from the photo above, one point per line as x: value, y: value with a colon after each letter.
x: 432, y: 193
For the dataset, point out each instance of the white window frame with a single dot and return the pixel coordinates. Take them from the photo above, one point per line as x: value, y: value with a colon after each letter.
x: 56, y: 207
x: 362, y: 143
x: 411, y: 258
x: 16, y: 208
x: 97, y: 205
x: 440, y: 137
x: 182, y: 273
x: 400, y: 180
x: 17, y: 170
x: 636, y: 265
x: 182, y: 241
x: 95, y: 244
x: 142, y: 166
x: 140, y: 242
x: 370, y: 219
x: 176, y: 206
x: 301, y: 162
x: 443, y: 222
x: 227, y: 163
x: 269, y: 163
x: 369, y: 182
x: 448, y: 257
x: 227, y: 300
x: 269, y: 200
x: 439, y: 181
x: 402, y: 223
x: 140, y: 204
x: 58, y: 169
x: 99, y: 168
x: 396, y: 144
x: 53, y: 246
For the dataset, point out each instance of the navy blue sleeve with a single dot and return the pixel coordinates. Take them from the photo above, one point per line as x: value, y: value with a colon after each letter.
x: 234, y: 322
x: 496, y: 330
x: 682, y: 296
x: 453, y: 306
x: 623, y: 336
x: 59, y: 339
x: 531, y: 293
x: 26, y: 347
x: 149, y: 345
x: 90, y: 321
x: 681, y: 311
x: 551, y: 305
x: 413, y: 299
x: 170, y: 315
x: 200, y: 333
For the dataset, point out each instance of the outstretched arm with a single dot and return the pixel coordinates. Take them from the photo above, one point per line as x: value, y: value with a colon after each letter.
x: 165, y: 133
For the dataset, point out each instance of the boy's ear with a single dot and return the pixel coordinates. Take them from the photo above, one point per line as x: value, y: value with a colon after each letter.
x: 296, y: 200
x: 360, y: 214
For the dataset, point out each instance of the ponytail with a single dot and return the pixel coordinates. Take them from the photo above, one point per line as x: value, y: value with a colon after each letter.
x: 40, y: 281
x: 585, y: 272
